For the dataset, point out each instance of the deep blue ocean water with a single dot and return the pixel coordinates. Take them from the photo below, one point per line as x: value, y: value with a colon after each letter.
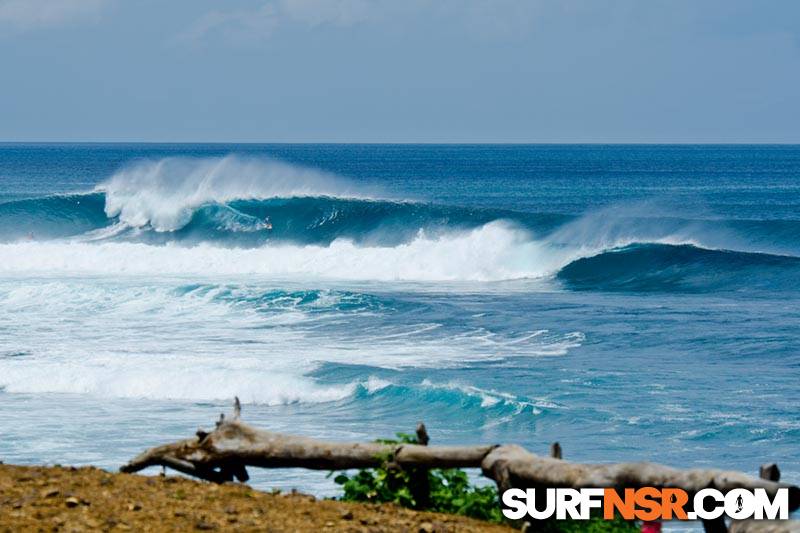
x: 630, y: 302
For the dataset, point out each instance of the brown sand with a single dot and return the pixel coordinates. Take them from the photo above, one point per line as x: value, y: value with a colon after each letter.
x: 89, y: 499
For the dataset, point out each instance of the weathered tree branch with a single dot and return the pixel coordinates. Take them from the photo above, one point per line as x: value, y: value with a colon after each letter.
x: 514, y: 466
x: 222, y: 455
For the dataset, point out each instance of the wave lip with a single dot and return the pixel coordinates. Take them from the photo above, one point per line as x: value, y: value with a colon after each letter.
x: 163, y: 194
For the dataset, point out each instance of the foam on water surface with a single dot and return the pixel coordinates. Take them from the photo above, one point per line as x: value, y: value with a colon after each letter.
x: 646, y: 297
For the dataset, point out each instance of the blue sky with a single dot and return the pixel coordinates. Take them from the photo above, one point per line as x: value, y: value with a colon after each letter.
x: 400, y: 71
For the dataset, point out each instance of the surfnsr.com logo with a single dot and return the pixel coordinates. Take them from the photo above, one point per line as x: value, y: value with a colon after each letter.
x: 646, y: 504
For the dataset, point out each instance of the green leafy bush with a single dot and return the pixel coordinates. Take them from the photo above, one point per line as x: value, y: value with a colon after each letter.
x: 441, y: 490
x: 449, y: 491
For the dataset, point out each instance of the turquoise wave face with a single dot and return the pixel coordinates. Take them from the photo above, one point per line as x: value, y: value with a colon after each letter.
x: 680, y: 268
x: 305, y: 220
x: 52, y: 217
x: 323, y: 220
x: 316, y: 301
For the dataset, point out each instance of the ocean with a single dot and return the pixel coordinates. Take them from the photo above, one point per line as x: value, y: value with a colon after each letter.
x: 631, y: 302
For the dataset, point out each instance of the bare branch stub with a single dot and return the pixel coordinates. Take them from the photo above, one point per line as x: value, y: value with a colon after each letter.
x: 237, y: 408
x: 769, y: 471
x: 555, y: 451
x: 422, y: 434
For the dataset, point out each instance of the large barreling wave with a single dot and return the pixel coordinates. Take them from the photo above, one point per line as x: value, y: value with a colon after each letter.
x: 248, y: 216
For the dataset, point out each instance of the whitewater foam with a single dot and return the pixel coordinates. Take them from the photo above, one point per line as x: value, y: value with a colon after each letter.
x: 197, y: 379
x: 163, y: 194
x: 162, y: 339
x: 495, y: 251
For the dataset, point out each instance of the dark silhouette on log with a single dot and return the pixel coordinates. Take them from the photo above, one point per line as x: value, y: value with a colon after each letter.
x: 769, y: 471
x: 422, y: 435
x: 555, y: 451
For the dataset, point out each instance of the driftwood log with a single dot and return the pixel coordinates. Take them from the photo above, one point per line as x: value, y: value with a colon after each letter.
x: 224, y: 453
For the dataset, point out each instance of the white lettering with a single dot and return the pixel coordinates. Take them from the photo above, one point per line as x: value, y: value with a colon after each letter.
x: 511, y: 498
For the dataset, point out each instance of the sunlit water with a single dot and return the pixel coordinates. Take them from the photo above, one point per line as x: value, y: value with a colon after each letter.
x: 632, y: 303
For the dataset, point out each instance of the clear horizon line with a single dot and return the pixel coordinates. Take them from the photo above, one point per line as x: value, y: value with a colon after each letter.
x: 430, y: 143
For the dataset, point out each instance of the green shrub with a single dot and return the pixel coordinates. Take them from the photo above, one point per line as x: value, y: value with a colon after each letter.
x: 449, y: 491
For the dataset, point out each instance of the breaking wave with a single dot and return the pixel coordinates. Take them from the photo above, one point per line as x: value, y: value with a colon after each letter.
x: 229, y: 216
x: 663, y: 267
